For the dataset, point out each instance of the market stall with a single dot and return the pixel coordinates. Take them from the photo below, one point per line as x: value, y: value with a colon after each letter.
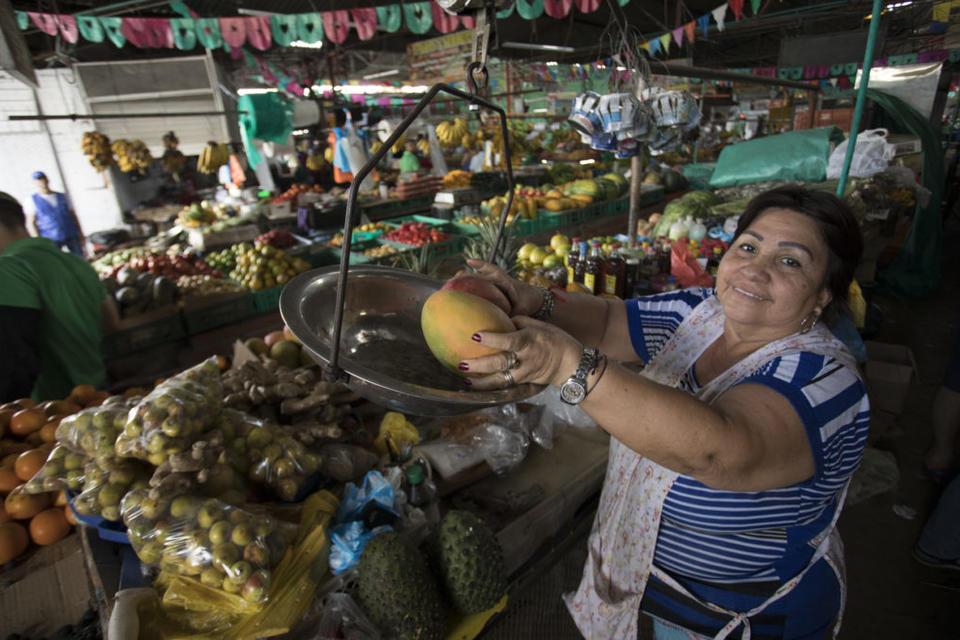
x: 284, y: 446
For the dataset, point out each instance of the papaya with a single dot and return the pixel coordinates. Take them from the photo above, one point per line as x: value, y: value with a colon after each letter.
x: 449, y: 318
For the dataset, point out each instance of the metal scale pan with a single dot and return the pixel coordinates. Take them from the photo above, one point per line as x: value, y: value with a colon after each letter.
x: 365, y: 329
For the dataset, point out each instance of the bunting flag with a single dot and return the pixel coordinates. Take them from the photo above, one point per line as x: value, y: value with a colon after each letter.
x: 389, y: 18
x: 442, y: 21
x: 690, y: 29
x: 665, y: 43
x: 233, y: 31
x: 417, y: 17
x: 468, y: 22
x: 283, y: 28
x: 67, y: 26
x: 208, y: 33
x: 23, y: 20
x: 704, y: 22
x: 623, y: 3
x: 336, y: 25
x: 148, y: 33
x: 530, y: 9
x: 184, y: 33
x: 654, y: 46
x: 90, y: 28
x: 755, y: 5
x: 258, y: 32
x: 588, y: 6
x: 309, y: 27
x: 646, y: 47
x: 558, y: 8
x: 720, y: 15
x: 46, y: 22
x: 737, y: 7
x: 506, y: 12
x: 678, y: 36
x: 365, y: 22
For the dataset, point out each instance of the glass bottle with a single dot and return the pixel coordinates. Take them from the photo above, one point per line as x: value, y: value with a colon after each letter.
x: 579, y: 270
x: 663, y: 257
x: 614, y: 274
x: 572, y: 259
x: 631, y: 277
x: 593, y: 272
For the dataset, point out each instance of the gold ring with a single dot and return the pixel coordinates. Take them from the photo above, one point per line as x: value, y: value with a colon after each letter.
x: 508, y: 378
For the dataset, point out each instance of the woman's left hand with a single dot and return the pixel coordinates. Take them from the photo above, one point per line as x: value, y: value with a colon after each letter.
x: 545, y: 355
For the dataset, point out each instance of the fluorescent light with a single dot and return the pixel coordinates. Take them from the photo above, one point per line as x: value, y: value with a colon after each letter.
x: 588, y: 161
x: 552, y: 63
x: 382, y: 74
x: 300, y: 132
x: 307, y: 45
x: 544, y: 162
x: 899, y: 5
x: 537, y: 47
x: 249, y: 91
x: 539, y: 110
x: 351, y: 89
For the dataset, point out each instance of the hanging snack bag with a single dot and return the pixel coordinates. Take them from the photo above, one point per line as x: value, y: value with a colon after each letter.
x: 171, y: 418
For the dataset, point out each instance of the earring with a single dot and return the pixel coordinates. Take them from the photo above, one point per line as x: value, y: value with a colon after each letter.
x: 806, y: 324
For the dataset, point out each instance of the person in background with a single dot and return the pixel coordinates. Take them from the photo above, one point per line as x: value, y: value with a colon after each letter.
x: 54, y: 218
x: 53, y: 310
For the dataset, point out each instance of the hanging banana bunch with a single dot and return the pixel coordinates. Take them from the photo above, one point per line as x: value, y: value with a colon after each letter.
x: 96, y: 147
x: 453, y: 133
x: 132, y: 155
x: 213, y: 156
x: 423, y: 146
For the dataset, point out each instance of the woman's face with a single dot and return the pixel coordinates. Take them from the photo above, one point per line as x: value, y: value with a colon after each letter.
x: 773, y: 276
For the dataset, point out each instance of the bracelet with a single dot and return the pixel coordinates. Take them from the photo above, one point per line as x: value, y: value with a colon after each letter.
x: 546, y: 308
x: 599, y: 375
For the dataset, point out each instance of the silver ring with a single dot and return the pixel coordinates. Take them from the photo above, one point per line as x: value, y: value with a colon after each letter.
x: 513, y: 361
x: 508, y: 378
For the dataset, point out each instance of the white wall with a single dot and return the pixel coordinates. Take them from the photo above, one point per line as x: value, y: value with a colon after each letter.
x: 27, y: 146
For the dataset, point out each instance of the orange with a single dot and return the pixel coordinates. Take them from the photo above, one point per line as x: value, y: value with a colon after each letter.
x: 13, y: 541
x: 8, y: 479
x: 5, y: 415
x: 25, y: 422
x: 34, y: 439
x: 59, y: 407
x: 68, y: 514
x: 29, y: 463
x: 23, y: 506
x: 82, y: 394
x: 49, y: 526
x: 8, y: 447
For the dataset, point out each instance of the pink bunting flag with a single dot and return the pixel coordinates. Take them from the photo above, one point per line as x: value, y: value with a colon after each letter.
x: 691, y: 30
x: 258, y: 32
x: 678, y: 36
x: 147, y: 33
x: 365, y: 22
x: 557, y: 8
x: 588, y: 6
x: 737, y: 7
x: 234, y: 31
x: 44, y: 21
x: 443, y: 21
x: 336, y: 25
x: 67, y: 25
x: 468, y: 22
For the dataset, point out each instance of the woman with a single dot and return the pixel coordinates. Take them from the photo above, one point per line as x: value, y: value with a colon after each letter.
x: 731, y: 452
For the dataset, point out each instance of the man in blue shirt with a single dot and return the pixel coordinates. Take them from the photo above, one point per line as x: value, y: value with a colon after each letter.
x: 54, y: 218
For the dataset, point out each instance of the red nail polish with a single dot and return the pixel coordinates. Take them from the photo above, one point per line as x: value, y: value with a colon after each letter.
x: 463, y: 366
x: 475, y: 337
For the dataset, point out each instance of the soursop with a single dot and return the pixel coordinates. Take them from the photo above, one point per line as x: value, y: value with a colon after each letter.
x: 469, y: 560
x: 398, y: 591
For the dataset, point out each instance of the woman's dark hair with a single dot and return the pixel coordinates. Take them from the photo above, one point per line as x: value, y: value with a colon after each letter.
x: 11, y: 213
x: 837, y: 225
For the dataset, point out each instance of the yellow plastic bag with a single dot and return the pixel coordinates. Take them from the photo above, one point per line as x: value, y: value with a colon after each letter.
x: 395, y: 431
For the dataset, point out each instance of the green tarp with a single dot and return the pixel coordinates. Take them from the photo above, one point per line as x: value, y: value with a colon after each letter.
x: 796, y: 155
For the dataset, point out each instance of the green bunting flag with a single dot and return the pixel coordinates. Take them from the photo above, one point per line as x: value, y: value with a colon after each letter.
x: 388, y: 18
x: 284, y: 28
x: 90, y: 28
x: 418, y: 17
x: 112, y: 26
x: 208, y: 33
x: 530, y: 9
x: 184, y: 33
x: 309, y: 27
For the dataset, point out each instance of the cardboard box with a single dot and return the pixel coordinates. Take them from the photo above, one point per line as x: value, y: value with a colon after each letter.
x: 890, y: 369
x: 48, y: 590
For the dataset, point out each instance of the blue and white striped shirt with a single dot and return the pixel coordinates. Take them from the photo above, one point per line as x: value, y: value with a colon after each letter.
x: 739, y: 536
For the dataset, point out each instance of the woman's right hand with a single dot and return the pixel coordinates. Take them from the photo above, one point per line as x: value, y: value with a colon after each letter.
x: 525, y: 299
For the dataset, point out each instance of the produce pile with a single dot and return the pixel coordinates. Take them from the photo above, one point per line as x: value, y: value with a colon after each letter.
x: 132, y: 155
x: 28, y: 435
x: 201, y: 214
x: 258, y: 267
x: 457, y: 179
x: 416, y: 234
x: 137, y: 292
x: 277, y: 238
x: 290, y: 195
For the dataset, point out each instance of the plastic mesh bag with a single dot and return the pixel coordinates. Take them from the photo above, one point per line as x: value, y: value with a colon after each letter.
x: 224, y: 547
x: 268, y: 455
x: 94, y: 431
x: 63, y: 470
x: 173, y: 415
x: 104, y: 486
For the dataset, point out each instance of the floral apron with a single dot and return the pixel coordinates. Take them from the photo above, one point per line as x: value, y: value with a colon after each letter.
x: 624, y: 536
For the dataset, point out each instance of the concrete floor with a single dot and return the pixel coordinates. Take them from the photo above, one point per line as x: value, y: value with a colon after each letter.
x: 891, y: 597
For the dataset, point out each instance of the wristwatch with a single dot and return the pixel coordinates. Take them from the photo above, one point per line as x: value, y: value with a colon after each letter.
x: 574, y: 390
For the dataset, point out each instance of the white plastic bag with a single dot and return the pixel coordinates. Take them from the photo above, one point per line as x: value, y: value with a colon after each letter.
x: 356, y: 156
x: 871, y: 155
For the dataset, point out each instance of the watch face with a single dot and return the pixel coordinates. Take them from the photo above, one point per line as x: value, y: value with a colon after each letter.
x: 572, y: 392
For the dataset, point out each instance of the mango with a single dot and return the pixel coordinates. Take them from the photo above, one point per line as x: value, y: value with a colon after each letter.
x: 479, y: 287
x: 449, y: 318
